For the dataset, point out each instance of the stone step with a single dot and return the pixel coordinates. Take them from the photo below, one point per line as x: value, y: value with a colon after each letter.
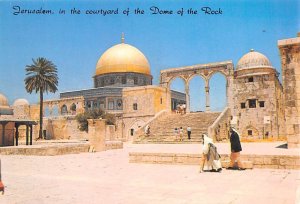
x: 162, y: 129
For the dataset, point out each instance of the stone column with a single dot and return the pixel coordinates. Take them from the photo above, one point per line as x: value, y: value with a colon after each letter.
x: 290, y: 63
x: 97, y: 134
x: 207, y: 105
x: 187, y: 97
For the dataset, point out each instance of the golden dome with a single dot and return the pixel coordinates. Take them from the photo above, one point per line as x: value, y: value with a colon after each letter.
x: 253, y: 60
x: 122, y: 58
x: 21, y: 102
x: 3, y: 101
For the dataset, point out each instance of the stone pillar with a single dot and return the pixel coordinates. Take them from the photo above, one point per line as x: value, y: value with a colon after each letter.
x: 97, y: 133
x: 207, y: 105
x: 187, y: 97
x: 290, y: 63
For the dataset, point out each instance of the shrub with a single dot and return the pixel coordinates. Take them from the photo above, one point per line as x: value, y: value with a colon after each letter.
x: 94, y: 114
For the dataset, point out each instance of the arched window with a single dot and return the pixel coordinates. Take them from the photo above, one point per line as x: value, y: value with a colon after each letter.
x: 135, y: 106
x: 73, y: 108
x: 64, y: 110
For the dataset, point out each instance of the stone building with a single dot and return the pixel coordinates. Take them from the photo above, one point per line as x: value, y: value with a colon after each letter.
x: 120, y: 66
x: 255, y: 98
x: 290, y: 63
x: 12, y: 123
x: 258, y: 110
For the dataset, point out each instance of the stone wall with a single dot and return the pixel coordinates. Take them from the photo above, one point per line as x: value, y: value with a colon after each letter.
x: 140, y: 105
x: 9, y: 134
x: 260, y: 122
x: 290, y: 63
x: 258, y: 161
x: 63, y: 128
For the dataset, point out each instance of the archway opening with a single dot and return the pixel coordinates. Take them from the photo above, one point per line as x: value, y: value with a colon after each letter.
x: 197, y: 94
x: 177, y: 87
x: 217, y: 92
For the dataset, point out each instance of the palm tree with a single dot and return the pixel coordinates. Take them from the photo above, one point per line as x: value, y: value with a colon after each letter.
x: 41, y: 77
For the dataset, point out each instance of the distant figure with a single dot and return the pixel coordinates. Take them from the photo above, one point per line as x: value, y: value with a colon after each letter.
x: 176, y: 133
x: 147, y: 130
x: 189, y: 132
x: 181, y: 108
x: 1, y: 184
x: 210, y: 156
x: 236, y: 148
x: 180, y: 134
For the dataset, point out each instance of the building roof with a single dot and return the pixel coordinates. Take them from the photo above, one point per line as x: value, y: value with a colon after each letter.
x: 3, y: 101
x: 122, y: 58
x: 20, y: 102
x: 253, y: 59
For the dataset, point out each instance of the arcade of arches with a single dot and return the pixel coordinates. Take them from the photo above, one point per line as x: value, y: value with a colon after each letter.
x: 206, y: 71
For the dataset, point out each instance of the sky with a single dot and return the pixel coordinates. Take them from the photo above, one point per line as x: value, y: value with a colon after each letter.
x: 75, y: 42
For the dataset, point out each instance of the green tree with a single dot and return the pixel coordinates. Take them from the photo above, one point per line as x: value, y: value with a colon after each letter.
x: 94, y: 114
x: 41, y: 77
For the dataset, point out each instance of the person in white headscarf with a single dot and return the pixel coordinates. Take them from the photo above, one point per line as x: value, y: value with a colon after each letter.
x: 210, y: 158
x: 236, y: 148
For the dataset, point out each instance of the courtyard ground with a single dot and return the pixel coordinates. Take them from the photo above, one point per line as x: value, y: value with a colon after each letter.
x: 108, y: 177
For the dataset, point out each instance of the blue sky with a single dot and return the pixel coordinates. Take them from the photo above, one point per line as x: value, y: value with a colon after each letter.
x: 75, y: 42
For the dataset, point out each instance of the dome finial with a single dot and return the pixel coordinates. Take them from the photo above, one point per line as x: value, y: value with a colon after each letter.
x: 122, y: 38
x: 252, y: 50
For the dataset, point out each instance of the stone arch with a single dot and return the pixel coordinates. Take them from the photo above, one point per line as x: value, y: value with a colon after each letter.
x: 64, y: 109
x: 216, y: 72
x: 196, y: 84
x: 174, y: 78
x: 73, y: 108
x: 195, y: 75
x: 47, y: 111
x: 218, y: 88
x: 206, y: 70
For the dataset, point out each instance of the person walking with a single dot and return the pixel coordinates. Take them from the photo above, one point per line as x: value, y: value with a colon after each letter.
x: 189, y: 132
x: 180, y: 134
x: 176, y: 133
x: 210, y: 156
x: 236, y: 148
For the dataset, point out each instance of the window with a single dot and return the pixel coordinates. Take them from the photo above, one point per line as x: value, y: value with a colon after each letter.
x: 123, y: 79
x: 243, y: 105
x: 261, y: 104
x: 131, y: 132
x: 161, y: 101
x: 135, y: 80
x: 252, y: 103
x: 112, y: 81
x: 102, y: 105
x: 64, y: 110
x: 250, y: 79
x: 111, y: 105
x: 135, y: 106
x: 119, y: 104
x: 249, y: 132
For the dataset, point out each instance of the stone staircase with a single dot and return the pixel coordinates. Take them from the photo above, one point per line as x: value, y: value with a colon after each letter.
x: 162, y: 129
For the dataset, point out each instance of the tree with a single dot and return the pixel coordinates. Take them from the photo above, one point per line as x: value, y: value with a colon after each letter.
x: 41, y: 77
x: 82, y: 118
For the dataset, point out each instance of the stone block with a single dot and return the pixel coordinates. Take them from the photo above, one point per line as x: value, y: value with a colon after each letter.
x: 267, y: 161
x: 258, y: 160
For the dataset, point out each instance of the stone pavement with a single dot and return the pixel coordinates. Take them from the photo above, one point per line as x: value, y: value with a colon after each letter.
x: 108, y: 177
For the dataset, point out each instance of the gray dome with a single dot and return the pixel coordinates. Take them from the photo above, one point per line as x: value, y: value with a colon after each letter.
x: 253, y: 59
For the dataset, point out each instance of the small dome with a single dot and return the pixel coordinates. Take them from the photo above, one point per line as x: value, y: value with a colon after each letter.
x: 122, y: 58
x: 253, y: 59
x: 21, y: 102
x: 3, y: 101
